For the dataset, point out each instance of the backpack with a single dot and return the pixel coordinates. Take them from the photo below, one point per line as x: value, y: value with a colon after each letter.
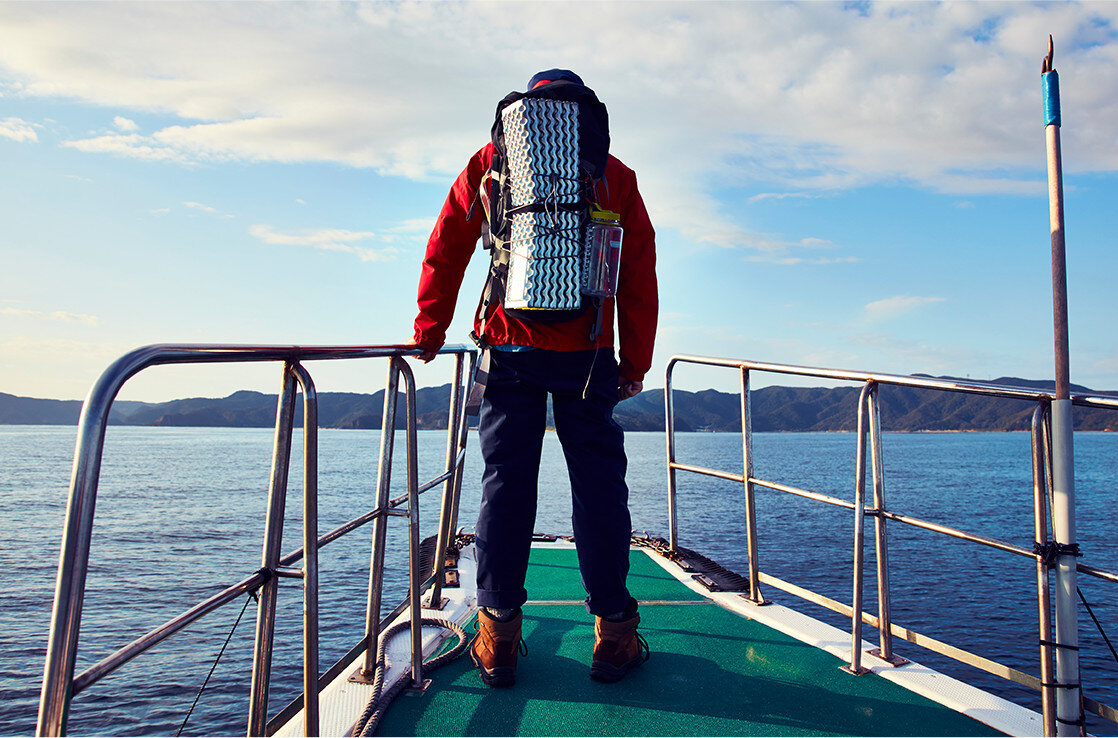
x: 551, y: 148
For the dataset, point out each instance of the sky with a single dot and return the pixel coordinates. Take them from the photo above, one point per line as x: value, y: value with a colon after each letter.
x: 848, y: 185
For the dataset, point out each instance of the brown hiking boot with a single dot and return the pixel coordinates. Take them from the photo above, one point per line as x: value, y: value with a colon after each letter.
x: 618, y: 647
x: 495, y: 647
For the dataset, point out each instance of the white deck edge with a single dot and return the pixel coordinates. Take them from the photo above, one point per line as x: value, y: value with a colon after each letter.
x: 989, y: 709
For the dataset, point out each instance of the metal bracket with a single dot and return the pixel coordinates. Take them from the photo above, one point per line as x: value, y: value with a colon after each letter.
x: 413, y: 690
x: 751, y: 601
x: 861, y: 670
x: 428, y: 605
x: 417, y: 690
x: 358, y: 676
x: 290, y: 572
x: 895, y: 660
x: 706, y: 582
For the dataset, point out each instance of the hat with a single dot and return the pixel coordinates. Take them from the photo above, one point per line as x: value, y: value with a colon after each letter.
x: 553, y: 75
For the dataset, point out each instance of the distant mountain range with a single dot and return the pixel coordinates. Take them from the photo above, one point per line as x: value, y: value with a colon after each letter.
x: 774, y: 409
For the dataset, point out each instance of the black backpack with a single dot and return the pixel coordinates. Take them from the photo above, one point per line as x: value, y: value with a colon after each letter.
x: 556, y: 206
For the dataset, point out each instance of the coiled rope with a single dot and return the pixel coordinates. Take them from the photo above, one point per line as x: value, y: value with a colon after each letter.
x: 367, y: 724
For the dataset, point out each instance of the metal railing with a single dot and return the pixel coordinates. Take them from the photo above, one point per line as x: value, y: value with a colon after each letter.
x: 60, y: 685
x: 869, y: 431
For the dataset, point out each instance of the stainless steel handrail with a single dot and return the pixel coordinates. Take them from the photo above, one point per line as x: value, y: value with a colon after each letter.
x: 869, y: 431
x: 59, y: 683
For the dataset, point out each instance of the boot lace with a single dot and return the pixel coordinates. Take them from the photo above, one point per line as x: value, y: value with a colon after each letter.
x: 642, y: 645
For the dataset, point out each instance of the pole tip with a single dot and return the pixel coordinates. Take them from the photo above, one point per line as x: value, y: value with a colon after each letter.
x: 1046, y: 65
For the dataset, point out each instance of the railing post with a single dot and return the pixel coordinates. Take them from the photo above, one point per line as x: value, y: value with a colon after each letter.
x: 1069, y: 698
x: 73, y: 559
x: 455, y: 434
x: 380, y: 524
x: 414, y: 575
x: 310, y: 551
x: 1040, y: 527
x: 669, y: 432
x: 855, y: 666
x: 1069, y: 707
x: 457, y: 489
x: 750, y: 502
x: 273, y: 540
x: 881, y: 547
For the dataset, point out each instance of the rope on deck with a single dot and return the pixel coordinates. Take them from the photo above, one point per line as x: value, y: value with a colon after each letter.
x: 367, y: 724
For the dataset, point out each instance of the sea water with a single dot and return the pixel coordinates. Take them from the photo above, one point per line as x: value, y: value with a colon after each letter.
x: 180, y: 515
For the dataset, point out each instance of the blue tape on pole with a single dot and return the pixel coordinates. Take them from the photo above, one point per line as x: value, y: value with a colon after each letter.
x: 1050, y: 84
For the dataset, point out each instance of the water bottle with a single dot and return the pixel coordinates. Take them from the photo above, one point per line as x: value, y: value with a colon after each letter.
x: 602, y: 256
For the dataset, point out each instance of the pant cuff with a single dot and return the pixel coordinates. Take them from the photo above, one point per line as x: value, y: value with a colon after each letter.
x: 502, y: 599
x: 603, y: 606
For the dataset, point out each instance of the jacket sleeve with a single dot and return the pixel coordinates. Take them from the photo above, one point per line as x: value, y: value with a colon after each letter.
x: 448, y: 253
x: 637, y: 297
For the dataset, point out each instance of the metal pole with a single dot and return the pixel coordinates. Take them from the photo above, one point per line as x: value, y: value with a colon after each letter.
x: 380, y: 525
x: 454, y: 433
x: 413, y: 529
x: 1040, y: 531
x: 1069, y: 709
x: 273, y: 539
x: 750, y: 501
x: 881, y: 546
x: 73, y: 560
x: 669, y: 433
x: 462, y: 420
x: 310, y: 551
x: 855, y: 666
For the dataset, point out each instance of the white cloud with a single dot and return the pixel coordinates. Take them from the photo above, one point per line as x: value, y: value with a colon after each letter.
x: 773, y: 250
x: 124, y: 124
x: 18, y: 130
x: 893, y: 307
x: 191, y: 205
x: 784, y: 196
x: 55, y: 315
x: 804, y: 97
x: 413, y: 229
x: 205, y: 209
x: 794, y: 260
x: 327, y: 239
x: 131, y: 145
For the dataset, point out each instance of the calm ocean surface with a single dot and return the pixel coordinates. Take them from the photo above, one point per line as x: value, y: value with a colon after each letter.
x: 180, y: 514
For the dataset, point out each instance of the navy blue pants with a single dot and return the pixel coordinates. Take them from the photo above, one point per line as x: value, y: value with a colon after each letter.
x: 511, y: 430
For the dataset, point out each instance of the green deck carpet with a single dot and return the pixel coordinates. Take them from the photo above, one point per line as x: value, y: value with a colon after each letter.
x: 711, y: 673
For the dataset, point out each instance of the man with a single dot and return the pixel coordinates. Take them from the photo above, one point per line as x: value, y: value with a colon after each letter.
x: 528, y: 361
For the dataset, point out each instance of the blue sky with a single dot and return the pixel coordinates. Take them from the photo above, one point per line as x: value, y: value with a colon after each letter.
x: 850, y: 185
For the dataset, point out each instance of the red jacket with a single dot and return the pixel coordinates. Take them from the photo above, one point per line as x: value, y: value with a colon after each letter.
x: 452, y: 243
